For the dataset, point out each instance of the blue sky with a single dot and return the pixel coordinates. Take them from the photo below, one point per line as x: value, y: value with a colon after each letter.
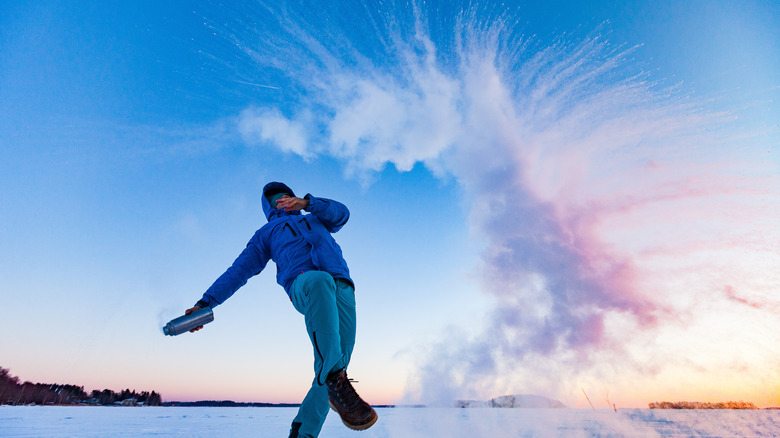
x: 134, y: 142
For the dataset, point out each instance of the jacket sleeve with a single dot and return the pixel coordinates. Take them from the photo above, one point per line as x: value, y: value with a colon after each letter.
x: 332, y: 214
x: 249, y: 263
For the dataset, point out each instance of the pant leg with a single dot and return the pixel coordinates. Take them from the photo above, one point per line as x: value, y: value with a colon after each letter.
x: 314, y: 295
x: 313, y: 411
x: 328, y: 307
x: 345, y: 301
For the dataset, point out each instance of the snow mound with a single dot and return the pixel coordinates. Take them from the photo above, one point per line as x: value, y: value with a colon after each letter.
x: 512, y: 401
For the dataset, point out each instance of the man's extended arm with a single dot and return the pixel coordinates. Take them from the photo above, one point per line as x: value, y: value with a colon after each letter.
x: 249, y: 263
x: 332, y: 214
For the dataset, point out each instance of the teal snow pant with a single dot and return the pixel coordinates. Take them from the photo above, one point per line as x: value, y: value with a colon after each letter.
x: 328, y: 307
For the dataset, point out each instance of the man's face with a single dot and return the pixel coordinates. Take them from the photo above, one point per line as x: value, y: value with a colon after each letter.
x: 276, y: 197
x: 285, y: 196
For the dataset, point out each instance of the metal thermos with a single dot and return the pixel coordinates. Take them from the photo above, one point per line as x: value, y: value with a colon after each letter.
x: 186, y: 323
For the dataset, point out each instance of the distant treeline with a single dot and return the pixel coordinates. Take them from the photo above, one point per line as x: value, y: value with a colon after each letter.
x: 12, y: 392
x: 700, y: 405
x: 231, y: 404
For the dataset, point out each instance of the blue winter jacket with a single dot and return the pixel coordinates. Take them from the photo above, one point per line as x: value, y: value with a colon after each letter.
x: 295, y: 242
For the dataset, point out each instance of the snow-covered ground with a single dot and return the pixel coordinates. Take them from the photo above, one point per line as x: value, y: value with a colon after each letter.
x: 78, y: 421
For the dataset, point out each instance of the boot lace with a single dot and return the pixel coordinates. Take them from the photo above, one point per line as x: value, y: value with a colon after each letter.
x: 346, y: 394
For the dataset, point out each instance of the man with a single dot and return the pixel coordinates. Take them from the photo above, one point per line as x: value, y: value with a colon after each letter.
x: 313, y: 272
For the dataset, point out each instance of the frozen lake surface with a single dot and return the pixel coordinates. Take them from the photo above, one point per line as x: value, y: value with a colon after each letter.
x: 85, y: 421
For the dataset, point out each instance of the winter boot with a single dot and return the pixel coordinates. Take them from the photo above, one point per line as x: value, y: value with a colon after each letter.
x: 355, y: 413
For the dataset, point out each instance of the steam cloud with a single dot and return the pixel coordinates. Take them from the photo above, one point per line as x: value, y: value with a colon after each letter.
x: 609, y: 197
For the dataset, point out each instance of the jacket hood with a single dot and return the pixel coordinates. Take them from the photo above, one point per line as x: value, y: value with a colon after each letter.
x: 271, y: 189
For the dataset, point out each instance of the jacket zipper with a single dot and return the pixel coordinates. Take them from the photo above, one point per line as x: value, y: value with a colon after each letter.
x: 307, y: 223
x: 291, y: 229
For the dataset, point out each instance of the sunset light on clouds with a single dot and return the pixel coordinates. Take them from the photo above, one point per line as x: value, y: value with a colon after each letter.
x: 582, y: 179
x: 543, y: 202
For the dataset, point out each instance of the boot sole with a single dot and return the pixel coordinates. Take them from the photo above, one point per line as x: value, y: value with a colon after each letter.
x: 357, y: 426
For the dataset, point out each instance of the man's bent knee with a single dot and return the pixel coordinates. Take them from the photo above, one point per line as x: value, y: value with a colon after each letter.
x: 319, y: 282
